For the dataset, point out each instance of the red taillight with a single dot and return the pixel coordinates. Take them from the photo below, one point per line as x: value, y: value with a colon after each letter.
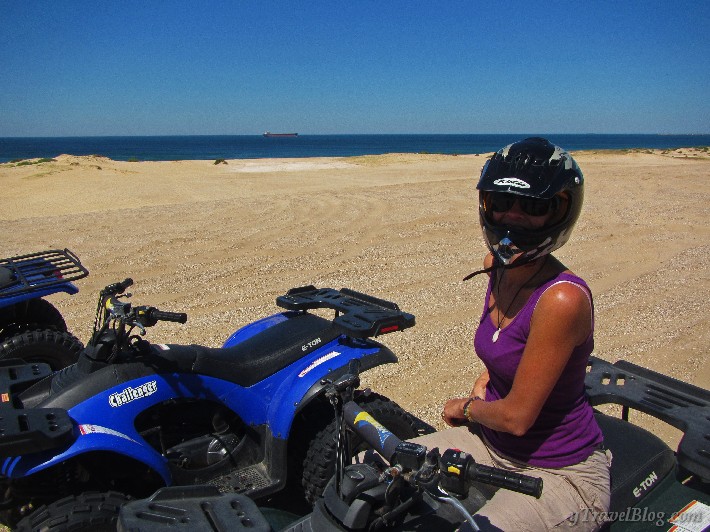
x: 389, y: 329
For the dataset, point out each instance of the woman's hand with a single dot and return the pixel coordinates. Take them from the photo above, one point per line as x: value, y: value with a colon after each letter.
x: 453, y: 412
x: 479, y: 388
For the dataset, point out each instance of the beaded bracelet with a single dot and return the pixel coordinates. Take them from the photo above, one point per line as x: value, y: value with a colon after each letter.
x: 467, y: 404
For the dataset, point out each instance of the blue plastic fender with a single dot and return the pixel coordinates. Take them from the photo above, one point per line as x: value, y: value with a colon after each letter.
x: 284, y: 393
x: 105, y: 422
x: 67, y: 287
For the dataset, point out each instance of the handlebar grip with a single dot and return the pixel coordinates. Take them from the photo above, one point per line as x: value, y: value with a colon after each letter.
x: 117, y: 288
x: 161, y: 315
x: 371, y: 430
x: 505, y: 479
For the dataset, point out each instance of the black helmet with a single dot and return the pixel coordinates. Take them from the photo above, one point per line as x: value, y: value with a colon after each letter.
x: 532, y: 168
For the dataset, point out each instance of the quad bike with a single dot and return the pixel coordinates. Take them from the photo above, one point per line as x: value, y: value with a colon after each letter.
x: 31, y: 328
x: 422, y: 489
x: 131, y: 416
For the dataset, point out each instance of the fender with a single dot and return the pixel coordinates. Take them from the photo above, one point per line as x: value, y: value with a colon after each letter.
x: 292, y: 388
x: 94, y: 438
x: 103, y: 424
x: 69, y: 288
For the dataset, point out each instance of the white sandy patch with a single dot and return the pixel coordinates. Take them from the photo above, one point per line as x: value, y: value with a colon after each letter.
x: 288, y: 166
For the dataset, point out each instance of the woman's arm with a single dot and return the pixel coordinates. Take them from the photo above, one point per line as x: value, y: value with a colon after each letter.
x: 479, y: 387
x: 561, y: 321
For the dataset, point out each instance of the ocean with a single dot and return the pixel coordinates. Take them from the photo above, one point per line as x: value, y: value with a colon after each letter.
x: 210, y: 147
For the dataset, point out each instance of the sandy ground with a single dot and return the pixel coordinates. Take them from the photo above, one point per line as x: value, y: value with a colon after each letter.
x: 221, y: 241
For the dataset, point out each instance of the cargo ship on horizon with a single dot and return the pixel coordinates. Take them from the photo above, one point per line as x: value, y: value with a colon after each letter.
x: 270, y: 134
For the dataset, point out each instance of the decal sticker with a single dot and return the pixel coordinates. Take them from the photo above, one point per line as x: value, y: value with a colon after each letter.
x: 310, y: 344
x: 163, y: 347
x: 695, y: 517
x: 5, y: 397
x: 98, y: 429
x: 131, y: 394
x: 317, y: 362
x: 646, y: 483
x: 511, y: 182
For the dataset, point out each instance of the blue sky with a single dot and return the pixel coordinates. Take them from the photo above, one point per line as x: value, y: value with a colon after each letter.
x: 243, y: 67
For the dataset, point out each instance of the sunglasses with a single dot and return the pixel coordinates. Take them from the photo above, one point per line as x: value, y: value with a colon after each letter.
x: 503, y: 202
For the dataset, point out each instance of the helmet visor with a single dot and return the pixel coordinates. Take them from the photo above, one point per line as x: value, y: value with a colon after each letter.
x: 555, y: 210
x: 503, y: 202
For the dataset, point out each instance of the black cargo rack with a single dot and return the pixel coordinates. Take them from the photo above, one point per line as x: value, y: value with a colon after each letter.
x: 681, y: 405
x: 363, y: 316
x: 28, y: 430
x: 44, y: 269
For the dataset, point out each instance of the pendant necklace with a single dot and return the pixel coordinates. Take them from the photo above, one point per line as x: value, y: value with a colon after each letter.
x: 501, y: 317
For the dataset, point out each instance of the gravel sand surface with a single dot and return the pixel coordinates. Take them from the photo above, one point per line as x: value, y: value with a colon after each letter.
x: 221, y: 241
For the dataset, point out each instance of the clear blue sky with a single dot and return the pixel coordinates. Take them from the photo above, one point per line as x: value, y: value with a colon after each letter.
x: 148, y: 67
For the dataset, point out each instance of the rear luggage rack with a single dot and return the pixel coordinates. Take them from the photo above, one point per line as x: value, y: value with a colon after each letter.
x: 26, y: 273
x: 28, y: 430
x: 681, y: 405
x: 363, y: 316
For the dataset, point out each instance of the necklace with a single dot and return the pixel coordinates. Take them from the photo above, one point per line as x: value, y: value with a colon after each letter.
x: 501, y: 317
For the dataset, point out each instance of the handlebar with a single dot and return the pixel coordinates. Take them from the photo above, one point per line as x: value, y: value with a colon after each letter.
x: 453, y: 462
x: 505, y: 479
x: 117, y: 288
x: 161, y: 315
x: 125, y: 315
x: 370, y: 430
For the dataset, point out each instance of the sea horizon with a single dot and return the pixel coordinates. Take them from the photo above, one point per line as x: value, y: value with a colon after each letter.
x: 211, y: 147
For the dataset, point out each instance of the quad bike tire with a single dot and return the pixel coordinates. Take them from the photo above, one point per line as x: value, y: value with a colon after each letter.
x: 89, y: 511
x: 59, y: 349
x: 319, y: 465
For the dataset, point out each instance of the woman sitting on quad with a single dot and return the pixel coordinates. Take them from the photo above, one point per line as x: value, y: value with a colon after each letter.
x: 527, y: 412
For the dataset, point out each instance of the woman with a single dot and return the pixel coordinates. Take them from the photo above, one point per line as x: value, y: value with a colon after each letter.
x: 527, y: 412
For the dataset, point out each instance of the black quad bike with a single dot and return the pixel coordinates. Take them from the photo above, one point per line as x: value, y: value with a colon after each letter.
x: 31, y: 328
x: 653, y: 487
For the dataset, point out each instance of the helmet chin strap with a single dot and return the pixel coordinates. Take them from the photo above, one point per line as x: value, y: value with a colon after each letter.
x: 499, y: 264
x: 504, y: 253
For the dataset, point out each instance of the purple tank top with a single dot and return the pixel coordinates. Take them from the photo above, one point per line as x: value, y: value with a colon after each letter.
x: 565, y: 432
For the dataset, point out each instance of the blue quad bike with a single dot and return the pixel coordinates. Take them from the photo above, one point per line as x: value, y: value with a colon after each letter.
x: 31, y: 328
x: 420, y: 489
x: 130, y: 417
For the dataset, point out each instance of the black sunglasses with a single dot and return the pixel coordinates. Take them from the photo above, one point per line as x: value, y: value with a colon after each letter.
x: 503, y: 202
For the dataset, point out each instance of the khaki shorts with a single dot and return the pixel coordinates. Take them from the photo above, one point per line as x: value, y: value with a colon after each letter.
x: 571, y: 498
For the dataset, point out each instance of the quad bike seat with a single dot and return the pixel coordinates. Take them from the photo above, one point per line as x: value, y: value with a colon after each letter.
x: 259, y: 356
x: 358, y: 316
x: 637, y: 455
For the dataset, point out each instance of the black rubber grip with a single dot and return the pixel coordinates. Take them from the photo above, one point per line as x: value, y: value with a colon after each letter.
x: 117, y: 288
x: 379, y: 438
x: 505, y: 479
x: 161, y: 315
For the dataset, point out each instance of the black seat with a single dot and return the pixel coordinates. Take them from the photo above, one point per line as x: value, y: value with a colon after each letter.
x: 640, y: 460
x: 259, y: 356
